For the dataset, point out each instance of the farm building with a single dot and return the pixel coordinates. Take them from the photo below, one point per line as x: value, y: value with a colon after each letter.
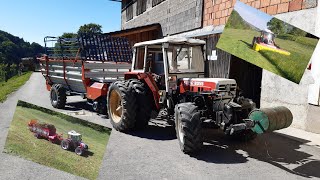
x: 205, y: 19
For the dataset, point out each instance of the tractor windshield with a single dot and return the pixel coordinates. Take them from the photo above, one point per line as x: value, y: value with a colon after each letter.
x: 184, y: 59
x: 76, y: 138
x: 267, y: 37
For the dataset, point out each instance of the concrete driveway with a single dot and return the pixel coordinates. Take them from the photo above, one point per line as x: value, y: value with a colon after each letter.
x: 155, y: 154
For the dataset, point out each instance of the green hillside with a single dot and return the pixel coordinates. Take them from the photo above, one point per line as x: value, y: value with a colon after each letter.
x: 237, y: 22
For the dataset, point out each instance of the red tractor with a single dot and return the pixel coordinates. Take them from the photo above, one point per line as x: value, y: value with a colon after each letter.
x: 74, y: 142
x: 46, y: 131
x: 167, y: 75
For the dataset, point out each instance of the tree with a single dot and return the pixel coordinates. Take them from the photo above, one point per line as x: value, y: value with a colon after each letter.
x: 276, y: 26
x: 297, y: 32
x: 69, y: 35
x: 90, y: 28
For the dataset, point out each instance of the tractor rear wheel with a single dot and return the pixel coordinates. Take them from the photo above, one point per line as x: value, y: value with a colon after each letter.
x: 121, y: 106
x: 58, y: 96
x: 188, y: 127
x: 78, y: 151
x: 37, y: 135
x: 65, y: 144
x: 144, y: 102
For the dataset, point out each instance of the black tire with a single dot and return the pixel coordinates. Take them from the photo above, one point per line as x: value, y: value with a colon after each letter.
x: 119, y: 92
x: 58, y: 96
x: 65, y: 144
x: 188, y: 127
x: 37, y: 135
x: 78, y: 151
x: 144, y: 102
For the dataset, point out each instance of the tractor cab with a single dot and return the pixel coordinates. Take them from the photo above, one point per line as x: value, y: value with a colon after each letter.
x: 267, y: 37
x: 74, y: 136
x: 169, y: 59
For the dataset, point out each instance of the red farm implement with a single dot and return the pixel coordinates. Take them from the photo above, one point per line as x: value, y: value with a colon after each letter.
x: 45, y: 131
x: 84, y: 66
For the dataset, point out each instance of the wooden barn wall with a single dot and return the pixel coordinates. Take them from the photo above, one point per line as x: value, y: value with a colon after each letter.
x: 248, y: 77
x: 217, y: 68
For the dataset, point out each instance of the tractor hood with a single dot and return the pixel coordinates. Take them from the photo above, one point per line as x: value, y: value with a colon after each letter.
x: 207, y: 84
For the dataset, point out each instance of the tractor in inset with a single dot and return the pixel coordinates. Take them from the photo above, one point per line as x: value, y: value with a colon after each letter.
x: 74, y: 142
x: 167, y: 76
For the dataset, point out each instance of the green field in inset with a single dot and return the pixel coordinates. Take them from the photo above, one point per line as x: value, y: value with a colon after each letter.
x: 238, y: 42
x: 21, y: 142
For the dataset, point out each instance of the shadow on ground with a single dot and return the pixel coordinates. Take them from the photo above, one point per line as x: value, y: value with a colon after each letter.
x: 283, y: 152
x: 156, y: 130
x: 82, y: 105
x: 278, y: 150
x: 249, y: 45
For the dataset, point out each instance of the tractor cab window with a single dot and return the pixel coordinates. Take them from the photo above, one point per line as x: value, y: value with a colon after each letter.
x: 139, y: 58
x: 267, y: 37
x: 185, y: 59
x: 76, y: 138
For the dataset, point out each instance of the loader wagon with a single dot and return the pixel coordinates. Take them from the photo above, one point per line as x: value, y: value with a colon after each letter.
x: 85, y: 65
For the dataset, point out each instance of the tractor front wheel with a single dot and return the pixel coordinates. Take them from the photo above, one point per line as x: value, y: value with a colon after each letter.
x: 65, y: 144
x: 144, y: 102
x: 122, y: 106
x: 78, y: 151
x: 188, y: 127
x: 58, y: 96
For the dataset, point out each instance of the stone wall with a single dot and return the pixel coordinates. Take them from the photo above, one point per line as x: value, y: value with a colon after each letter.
x: 175, y: 16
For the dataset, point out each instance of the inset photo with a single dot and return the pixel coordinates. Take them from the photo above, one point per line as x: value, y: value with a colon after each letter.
x: 57, y: 140
x: 267, y: 42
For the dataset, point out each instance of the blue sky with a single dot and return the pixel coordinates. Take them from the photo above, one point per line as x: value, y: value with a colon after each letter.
x: 32, y: 20
x: 252, y: 15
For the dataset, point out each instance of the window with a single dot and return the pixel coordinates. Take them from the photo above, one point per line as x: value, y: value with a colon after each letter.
x: 129, y: 12
x: 139, y: 59
x: 185, y: 59
x: 141, y: 6
x: 156, y: 2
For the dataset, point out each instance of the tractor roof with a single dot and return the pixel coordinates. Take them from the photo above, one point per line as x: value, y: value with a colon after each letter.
x: 73, y: 133
x: 267, y: 31
x: 172, y: 40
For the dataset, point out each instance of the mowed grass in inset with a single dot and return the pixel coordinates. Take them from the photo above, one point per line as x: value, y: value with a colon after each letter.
x: 238, y: 42
x: 21, y: 142
x: 13, y: 84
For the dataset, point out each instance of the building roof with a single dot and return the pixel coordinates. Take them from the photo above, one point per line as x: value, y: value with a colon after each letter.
x: 172, y: 40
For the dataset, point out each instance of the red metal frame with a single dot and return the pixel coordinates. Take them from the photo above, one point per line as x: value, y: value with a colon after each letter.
x: 148, y: 79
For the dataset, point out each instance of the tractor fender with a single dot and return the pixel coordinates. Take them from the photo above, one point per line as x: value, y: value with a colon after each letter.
x: 148, y: 79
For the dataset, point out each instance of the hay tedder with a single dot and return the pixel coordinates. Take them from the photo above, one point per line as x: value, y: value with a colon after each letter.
x: 46, y: 131
x: 266, y: 41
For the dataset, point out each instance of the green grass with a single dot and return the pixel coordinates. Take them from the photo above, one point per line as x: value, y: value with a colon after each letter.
x: 12, y: 85
x: 238, y: 42
x: 21, y: 142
